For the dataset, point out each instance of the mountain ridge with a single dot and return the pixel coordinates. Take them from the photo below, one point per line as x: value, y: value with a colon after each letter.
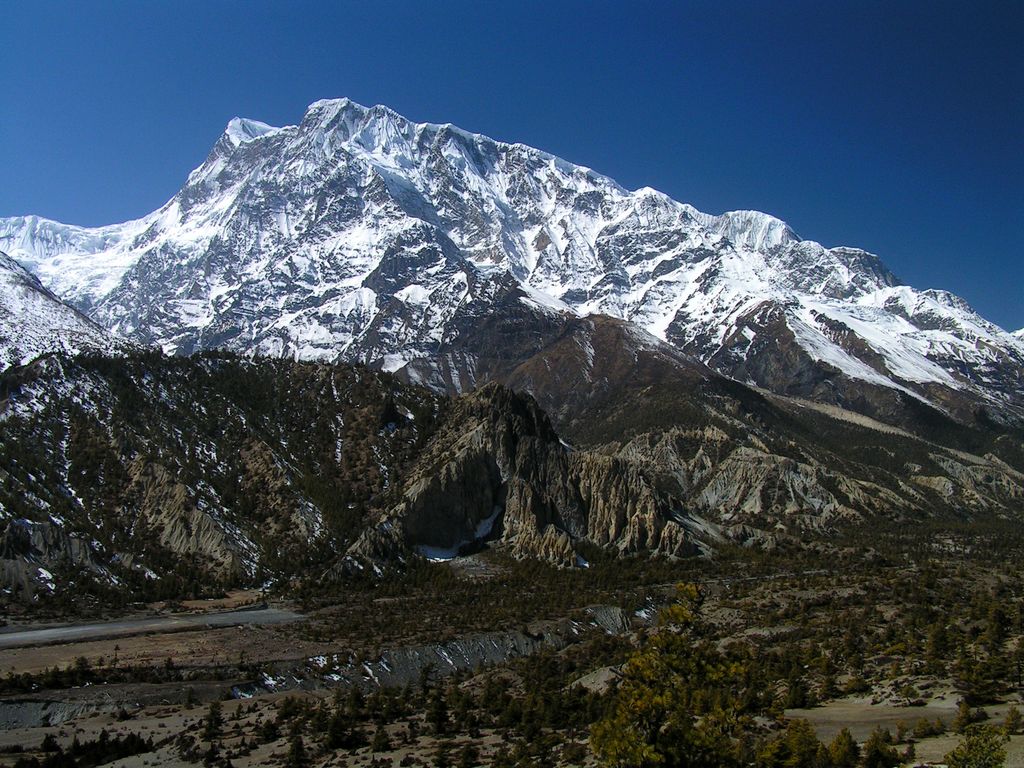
x: 360, y: 235
x: 147, y: 475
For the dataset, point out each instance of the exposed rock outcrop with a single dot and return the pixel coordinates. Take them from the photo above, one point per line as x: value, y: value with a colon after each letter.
x: 33, y: 554
x: 169, y: 512
x: 496, y: 470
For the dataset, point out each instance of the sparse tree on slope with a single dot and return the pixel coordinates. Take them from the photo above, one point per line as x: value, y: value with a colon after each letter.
x: 879, y: 752
x: 983, y: 746
x: 843, y: 751
x: 664, y: 715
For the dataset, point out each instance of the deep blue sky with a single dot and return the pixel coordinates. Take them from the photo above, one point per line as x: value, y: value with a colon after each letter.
x: 894, y: 126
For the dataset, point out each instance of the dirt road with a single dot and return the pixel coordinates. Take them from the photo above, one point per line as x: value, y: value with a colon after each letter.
x: 72, y: 633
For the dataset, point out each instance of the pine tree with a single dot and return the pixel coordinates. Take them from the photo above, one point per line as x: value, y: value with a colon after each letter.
x: 964, y: 717
x: 269, y: 731
x: 354, y: 705
x: 878, y: 750
x: 982, y: 747
x: 381, y: 742
x: 340, y: 733
x: 797, y: 747
x: 661, y: 714
x: 442, y: 756
x: 469, y: 756
x: 437, y: 712
x: 1014, y: 721
x: 938, y: 645
x: 843, y: 751
x: 214, y: 722
x: 297, y: 753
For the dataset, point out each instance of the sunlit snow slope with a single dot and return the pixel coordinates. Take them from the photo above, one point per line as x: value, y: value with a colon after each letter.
x: 34, y: 322
x: 360, y: 235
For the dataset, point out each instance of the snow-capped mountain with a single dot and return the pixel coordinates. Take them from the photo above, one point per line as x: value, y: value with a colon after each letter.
x: 361, y: 235
x: 34, y: 322
x: 78, y: 263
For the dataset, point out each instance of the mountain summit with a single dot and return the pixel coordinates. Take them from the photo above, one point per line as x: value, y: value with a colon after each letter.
x: 360, y: 235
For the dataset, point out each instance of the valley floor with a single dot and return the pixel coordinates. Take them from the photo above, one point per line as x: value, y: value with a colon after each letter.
x: 490, y: 661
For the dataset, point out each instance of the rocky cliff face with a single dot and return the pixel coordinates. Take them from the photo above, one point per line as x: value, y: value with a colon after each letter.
x: 496, y: 471
x: 31, y: 552
x: 362, y: 236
